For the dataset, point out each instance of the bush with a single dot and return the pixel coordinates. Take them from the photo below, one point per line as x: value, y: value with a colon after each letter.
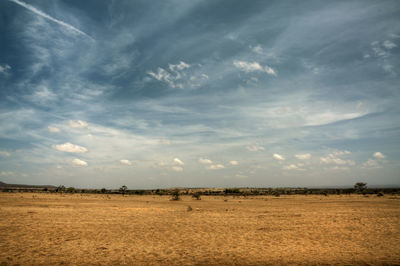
x: 276, y: 194
x: 196, y: 196
x: 189, y: 208
x: 380, y: 194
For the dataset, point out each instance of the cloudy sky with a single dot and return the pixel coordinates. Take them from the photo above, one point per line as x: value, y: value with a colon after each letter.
x: 153, y: 94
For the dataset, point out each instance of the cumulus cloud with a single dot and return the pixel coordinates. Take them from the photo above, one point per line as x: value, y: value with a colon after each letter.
x: 126, y: 162
x: 177, y: 168
x: 69, y: 147
x: 4, y: 69
x: 205, y: 161
x: 379, y: 155
x: 293, y: 167
x: 215, y: 167
x: 181, y: 66
x: 339, y: 153
x: 79, y: 162
x: 177, y: 161
x: 278, y: 157
x: 333, y: 158
x: 253, y: 67
x: 371, y: 164
x: 233, y: 162
x: 305, y: 156
x: 5, y: 154
x: 389, y: 44
x: 254, y: 148
x: 77, y: 124
x: 53, y: 129
x: 7, y: 173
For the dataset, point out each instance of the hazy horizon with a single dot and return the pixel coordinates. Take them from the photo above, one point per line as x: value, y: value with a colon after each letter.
x: 200, y: 94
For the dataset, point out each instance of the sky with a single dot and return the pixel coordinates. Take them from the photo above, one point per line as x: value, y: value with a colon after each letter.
x: 174, y: 93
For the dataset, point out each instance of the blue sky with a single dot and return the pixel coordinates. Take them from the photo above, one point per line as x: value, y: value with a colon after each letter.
x: 153, y: 94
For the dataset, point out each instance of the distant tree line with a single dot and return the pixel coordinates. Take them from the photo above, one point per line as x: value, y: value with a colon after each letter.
x: 359, y: 188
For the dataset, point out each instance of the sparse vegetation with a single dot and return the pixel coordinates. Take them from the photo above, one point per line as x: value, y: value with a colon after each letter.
x: 32, y: 222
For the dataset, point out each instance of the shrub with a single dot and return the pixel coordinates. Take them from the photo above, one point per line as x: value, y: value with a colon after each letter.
x: 189, y: 208
x: 196, y: 196
x: 276, y: 194
x: 380, y: 194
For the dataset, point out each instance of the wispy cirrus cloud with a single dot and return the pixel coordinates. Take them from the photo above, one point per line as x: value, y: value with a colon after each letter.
x: 42, y: 14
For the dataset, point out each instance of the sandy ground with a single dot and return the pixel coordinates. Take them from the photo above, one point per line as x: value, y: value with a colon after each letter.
x: 100, y: 229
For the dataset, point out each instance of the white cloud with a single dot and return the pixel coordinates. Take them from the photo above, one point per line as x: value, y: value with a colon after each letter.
x: 257, y: 49
x: 371, y: 164
x: 181, y: 66
x: 254, y: 148
x: 126, y: 162
x: 292, y: 167
x: 165, y: 142
x: 233, y: 162
x: 339, y: 153
x: 177, y: 161
x: 253, y: 67
x: 329, y: 117
x: 79, y: 162
x: 69, y: 147
x: 7, y: 173
x: 215, y: 167
x: 205, y: 161
x: 77, y: 124
x: 5, y: 154
x: 177, y: 168
x: 4, y: 69
x: 389, y: 44
x: 53, y: 129
x: 333, y: 158
x: 336, y: 168
x: 42, y: 14
x: 172, y: 77
x: 379, y: 155
x: 42, y: 95
x: 305, y: 156
x: 278, y: 157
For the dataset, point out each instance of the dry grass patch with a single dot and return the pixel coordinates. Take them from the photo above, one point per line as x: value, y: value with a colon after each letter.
x: 104, y: 229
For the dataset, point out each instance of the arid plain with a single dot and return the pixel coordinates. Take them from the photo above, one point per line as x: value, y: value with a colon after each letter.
x: 87, y: 229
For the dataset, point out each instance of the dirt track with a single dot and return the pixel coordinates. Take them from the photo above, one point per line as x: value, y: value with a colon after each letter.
x: 101, y: 229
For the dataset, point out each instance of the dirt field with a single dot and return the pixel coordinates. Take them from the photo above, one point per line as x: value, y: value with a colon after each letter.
x: 100, y: 229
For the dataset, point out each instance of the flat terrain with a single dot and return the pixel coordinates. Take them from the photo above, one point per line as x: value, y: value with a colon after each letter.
x: 115, y: 229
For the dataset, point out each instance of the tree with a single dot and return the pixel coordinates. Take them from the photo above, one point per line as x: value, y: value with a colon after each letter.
x: 123, y: 189
x: 175, y: 195
x: 360, y: 186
